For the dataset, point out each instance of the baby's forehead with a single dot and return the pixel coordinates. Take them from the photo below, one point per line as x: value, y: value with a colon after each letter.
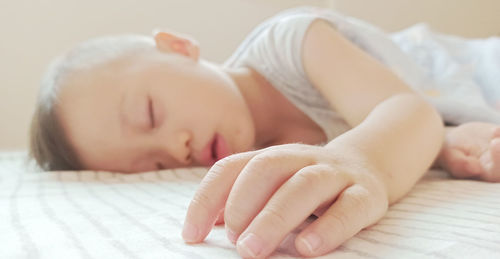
x: 89, y: 105
x: 126, y: 68
x: 86, y: 84
x: 92, y: 73
x: 104, y: 78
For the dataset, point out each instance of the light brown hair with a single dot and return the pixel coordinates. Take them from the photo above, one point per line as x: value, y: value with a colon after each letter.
x: 49, y: 146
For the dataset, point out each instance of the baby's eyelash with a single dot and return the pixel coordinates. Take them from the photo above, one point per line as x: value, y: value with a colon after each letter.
x: 151, y: 112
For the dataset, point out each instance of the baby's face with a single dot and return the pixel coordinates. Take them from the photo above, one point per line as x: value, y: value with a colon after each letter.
x: 154, y: 111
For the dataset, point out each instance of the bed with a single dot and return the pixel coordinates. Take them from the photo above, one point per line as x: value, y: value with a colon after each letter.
x: 88, y: 214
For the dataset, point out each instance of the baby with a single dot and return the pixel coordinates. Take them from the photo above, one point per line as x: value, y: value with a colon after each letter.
x: 300, y: 120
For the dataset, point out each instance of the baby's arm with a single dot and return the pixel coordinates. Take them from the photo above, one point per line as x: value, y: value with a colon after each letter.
x: 401, y: 137
x: 408, y: 131
x: 349, y: 182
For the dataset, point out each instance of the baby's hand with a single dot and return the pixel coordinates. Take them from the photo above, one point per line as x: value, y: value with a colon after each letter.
x: 472, y: 150
x: 267, y: 193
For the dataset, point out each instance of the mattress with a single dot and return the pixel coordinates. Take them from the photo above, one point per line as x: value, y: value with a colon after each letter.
x: 87, y: 214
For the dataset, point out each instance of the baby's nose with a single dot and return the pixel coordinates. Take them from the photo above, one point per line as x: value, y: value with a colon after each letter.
x: 182, y: 149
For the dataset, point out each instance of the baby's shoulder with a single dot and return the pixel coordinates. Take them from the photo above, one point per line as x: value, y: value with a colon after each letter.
x: 276, y: 38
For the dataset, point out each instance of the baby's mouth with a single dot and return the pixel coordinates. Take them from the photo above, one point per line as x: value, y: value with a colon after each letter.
x: 214, y: 148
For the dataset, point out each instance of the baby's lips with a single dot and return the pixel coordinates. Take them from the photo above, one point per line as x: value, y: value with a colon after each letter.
x: 222, y: 147
x: 205, y: 157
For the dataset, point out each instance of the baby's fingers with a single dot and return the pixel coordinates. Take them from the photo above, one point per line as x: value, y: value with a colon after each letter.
x: 294, y: 201
x: 355, y: 209
x: 210, y: 198
x: 220, y: 218
x: 257, y: 183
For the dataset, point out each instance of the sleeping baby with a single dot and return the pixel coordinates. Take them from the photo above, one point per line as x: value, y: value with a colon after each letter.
x: 315, y: 113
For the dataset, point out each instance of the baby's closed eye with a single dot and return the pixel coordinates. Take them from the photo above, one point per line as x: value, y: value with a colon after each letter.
x: 151, y: 113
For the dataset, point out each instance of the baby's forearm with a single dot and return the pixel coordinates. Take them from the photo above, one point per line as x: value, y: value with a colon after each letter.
x: 402, y: 137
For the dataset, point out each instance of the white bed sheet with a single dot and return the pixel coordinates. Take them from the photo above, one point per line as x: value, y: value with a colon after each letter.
x: 105, y: 215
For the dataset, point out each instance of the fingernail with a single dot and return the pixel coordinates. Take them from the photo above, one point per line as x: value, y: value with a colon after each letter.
x: 251, y: 246
x: 190, y: 232
x: 232, y: 236
x: 312, y: 241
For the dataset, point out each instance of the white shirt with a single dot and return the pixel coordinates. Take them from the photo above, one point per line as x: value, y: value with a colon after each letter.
x: 273, y: 49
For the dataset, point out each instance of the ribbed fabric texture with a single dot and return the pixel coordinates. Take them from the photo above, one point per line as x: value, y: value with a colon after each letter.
x: 104, y: 215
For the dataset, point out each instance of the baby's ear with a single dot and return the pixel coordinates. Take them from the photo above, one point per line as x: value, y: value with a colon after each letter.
x: 170, y: 42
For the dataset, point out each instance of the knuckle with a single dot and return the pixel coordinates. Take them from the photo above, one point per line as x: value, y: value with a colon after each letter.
x: 202, y: 200
x: 370, y: 206
x: 315, y: 175
x: 216, y: 170
x: 221, y: 166
x: 224, y: 162
x: 310, y: 177
x: 281, y: 147
x: 274, y: 154
x: 283, y: 153
x: 235, y: 216
x: 274, y: 215
x: 358, y: 199
x: 267, y: 159
x: 336, y: 223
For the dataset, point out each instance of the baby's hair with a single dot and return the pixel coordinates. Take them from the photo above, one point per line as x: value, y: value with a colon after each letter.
x: 49, y: 145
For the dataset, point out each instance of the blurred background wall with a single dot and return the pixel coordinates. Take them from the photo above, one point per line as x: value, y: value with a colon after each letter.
x: 34, y: 31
